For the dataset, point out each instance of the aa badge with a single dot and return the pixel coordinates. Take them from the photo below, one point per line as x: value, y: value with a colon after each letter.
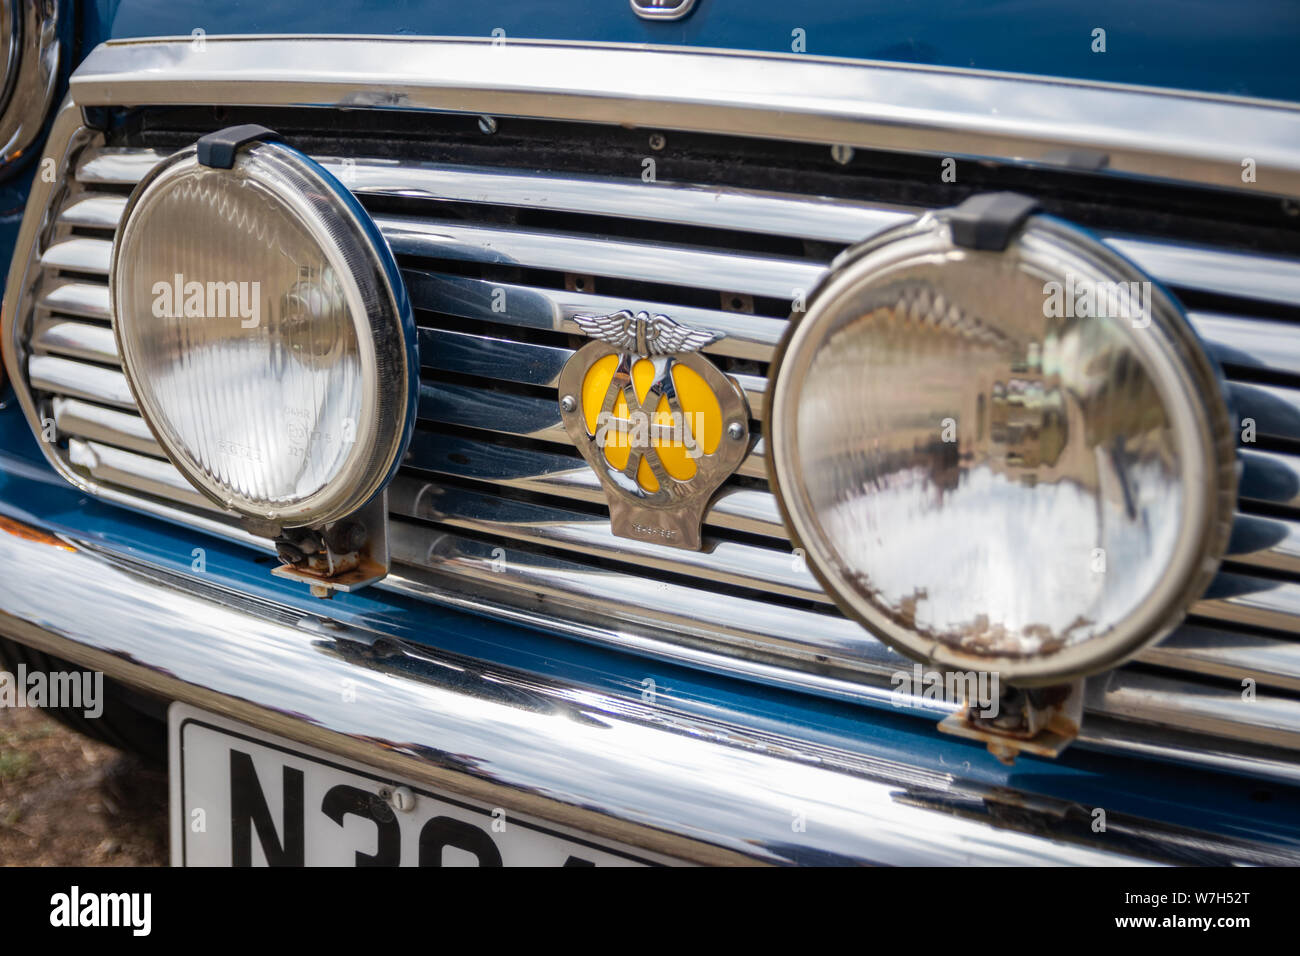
x: 659, y: 423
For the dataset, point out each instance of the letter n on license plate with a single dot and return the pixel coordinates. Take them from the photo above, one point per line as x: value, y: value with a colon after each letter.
x: 241, y: 797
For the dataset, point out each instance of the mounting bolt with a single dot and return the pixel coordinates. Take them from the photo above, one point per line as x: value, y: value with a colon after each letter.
x: 657, y: 141
x: 842, y: 154
x: 487, y: 125
x: 322, y: 592
x: 735, y: 431
x: 568, y: 403
x: 402, y: 799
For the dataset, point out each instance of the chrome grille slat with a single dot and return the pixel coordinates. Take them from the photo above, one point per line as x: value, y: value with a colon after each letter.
x: 149, y: 475
x: 84, y: 299
x: 468, y: 407
x: 92, y: 256
x: 68, y: 377
x: 1244, y: 275
x: 1275, y: 409
x: 747, y: 210
x: 1266, y: 542
x: 105, y: 425
x: 1258, y: 344
x: 678, y: 203
x: 522, y: 416
x: 526, y: 363
x: 75, y: 339
x: 94, y: 211
x: 1139, y: 696
x: 1233, y: 655
x: 770, y: 276
x: 1243, y: 599
x: 593, y: 589
x: 730, y: 562
x: 567, y: 476
x: 746, y: 336
x: 463, y: 495
x: 1269, y: 478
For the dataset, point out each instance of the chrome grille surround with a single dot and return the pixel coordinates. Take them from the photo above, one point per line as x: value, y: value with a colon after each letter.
x: 494, y: 483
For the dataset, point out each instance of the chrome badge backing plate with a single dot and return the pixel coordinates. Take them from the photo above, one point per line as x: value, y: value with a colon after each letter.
x: 659, y: 423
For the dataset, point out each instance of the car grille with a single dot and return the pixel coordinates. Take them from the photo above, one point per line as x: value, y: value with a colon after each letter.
x: 494, y: 509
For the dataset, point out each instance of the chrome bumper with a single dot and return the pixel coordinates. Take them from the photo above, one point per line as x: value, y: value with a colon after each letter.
x: 701, y: 791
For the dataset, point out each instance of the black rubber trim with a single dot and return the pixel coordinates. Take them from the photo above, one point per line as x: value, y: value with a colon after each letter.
x: 989, y: 220
x: 218, y: 149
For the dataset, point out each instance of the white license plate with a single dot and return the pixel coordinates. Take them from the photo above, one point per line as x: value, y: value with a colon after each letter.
x: 243, y: 797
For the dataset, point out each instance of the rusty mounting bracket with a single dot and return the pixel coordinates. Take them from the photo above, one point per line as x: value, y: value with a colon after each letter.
x: 1036, y: 720
x: 346, y: 555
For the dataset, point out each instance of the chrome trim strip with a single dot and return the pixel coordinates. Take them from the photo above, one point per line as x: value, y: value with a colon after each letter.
x: 507, y: 360
x: 79, y: 340
x: 79, y: 255
x: 944, y: 112
x: 1231, y: 654
x: 1223, y: 712
x: 1265, y: 542
x: 1257, y: 344
x: 526, y: 363
x: 68, y: 377
x: 1274, y: 408
x: 569, y: 477
x: 1259, y: 602
x: 147, y: 475
x: 695, y: 789
x: 1166, y: 743
x: 707, y: 618
x: 744, y: 336
x: 72, y: 297
x: 1269, y: 477
x: 93, y: 211
x: 104, y: 425
x: 117, y: 166
x: 828, y: 220
x: 1206, y: 269
x: 468, y: 407
x: 742, y: 565
x: 691, y: 266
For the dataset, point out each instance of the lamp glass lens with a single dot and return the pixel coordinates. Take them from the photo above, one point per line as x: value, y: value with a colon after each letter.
x: 239, y: 326
x: 986, y: 461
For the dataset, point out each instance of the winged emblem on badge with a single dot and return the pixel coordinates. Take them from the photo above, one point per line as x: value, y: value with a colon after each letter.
x: 644, y: 334
x: 659, y: 423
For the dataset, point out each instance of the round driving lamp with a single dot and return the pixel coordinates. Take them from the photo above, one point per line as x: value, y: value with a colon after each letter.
x: 1001, y: 445
x: 264, y: 330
